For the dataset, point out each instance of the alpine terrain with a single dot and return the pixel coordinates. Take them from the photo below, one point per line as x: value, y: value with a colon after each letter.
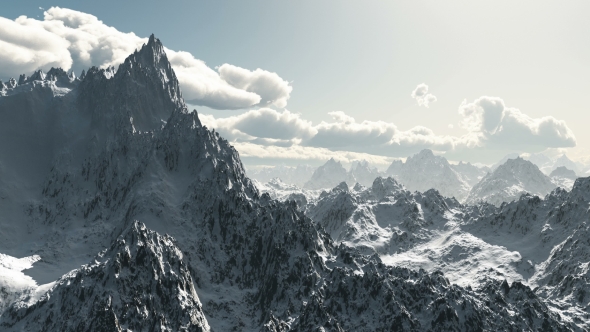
x: 127, y: 214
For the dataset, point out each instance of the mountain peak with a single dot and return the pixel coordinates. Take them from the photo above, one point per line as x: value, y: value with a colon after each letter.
x: 509, y: 181
x: 150, y: 55
x: 426, y: 155
x: 563, y: 171
x: 426, y: 152
x: 147, y: 84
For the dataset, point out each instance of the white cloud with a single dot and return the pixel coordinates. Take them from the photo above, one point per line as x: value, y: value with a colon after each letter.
x: 344, y: 131
x: 305, y: 153
x: 496, y: 125
x: 422, y: 96
x: 75, y: 40
x: 267, y: 124
x: 269, y: 86
x: 202, y: 85
x: 493, y: 131
x: 25, y: 48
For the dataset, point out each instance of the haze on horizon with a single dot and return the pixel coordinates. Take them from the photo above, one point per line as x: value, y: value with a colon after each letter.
x: 302, y: 82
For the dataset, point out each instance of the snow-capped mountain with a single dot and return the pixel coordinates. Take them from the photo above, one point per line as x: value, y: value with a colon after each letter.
x: 327, y: 176
x: 424, y: 171
x: 332, y: 173
x: 139, y: 283
x: 297, y: 175
x: 361, y: 172
x: 89, y: 156
x: 281, y: 191
x: 563, y: 177
x: 509, y: 181
x: 544, y: 163
x: 504, y: 160
x: 566, y: 162
x: 470, y: 173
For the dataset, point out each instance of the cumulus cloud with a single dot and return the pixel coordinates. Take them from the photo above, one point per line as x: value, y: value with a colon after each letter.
x: 493, y: 130
x: 268, y: 127
x: 203, y: 86
x: 379, y: 137
x: 344, y: 131
x: 250, y: 150
x: 271, y: 88
x: 75, y: 41
x: 422, y: 96
x: 25, y: 48
x: 265, y: 124
x: 495, y: 125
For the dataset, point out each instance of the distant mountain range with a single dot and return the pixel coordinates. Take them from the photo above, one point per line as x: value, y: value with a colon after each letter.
x: 463, y: 181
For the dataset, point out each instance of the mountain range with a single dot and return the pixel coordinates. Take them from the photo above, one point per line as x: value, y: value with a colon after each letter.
x: 135, y: 216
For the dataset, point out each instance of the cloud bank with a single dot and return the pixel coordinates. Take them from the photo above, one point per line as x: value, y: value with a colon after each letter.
x: 490, y: 125
x: 422, y: 96
x: 496, y: 125
x: 75, y: 41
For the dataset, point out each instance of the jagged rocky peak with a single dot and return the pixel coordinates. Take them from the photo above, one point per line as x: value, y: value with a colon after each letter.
x: 11, y: 83
x: 425, y: 159
x: 153, y: 54
x: 22, y: 79
x: 385, y: 186
x: 342, y: 187
x: 38, y: 75
x: 141, y: 281
x: 152, y: 58
x: 140, y: 95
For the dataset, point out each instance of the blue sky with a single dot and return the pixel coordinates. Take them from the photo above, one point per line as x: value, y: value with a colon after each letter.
x: 365, y: 59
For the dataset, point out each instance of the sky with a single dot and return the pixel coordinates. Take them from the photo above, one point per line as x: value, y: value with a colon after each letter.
x: 302, y: 81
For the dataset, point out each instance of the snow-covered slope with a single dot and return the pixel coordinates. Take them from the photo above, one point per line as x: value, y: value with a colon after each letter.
x: 425, y: 171
x: 139, y: 283
x: 540, y: 243
x: 509, y: 181
x: 281, y: 191
x: 550, y: 236
x: 120, y: 146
